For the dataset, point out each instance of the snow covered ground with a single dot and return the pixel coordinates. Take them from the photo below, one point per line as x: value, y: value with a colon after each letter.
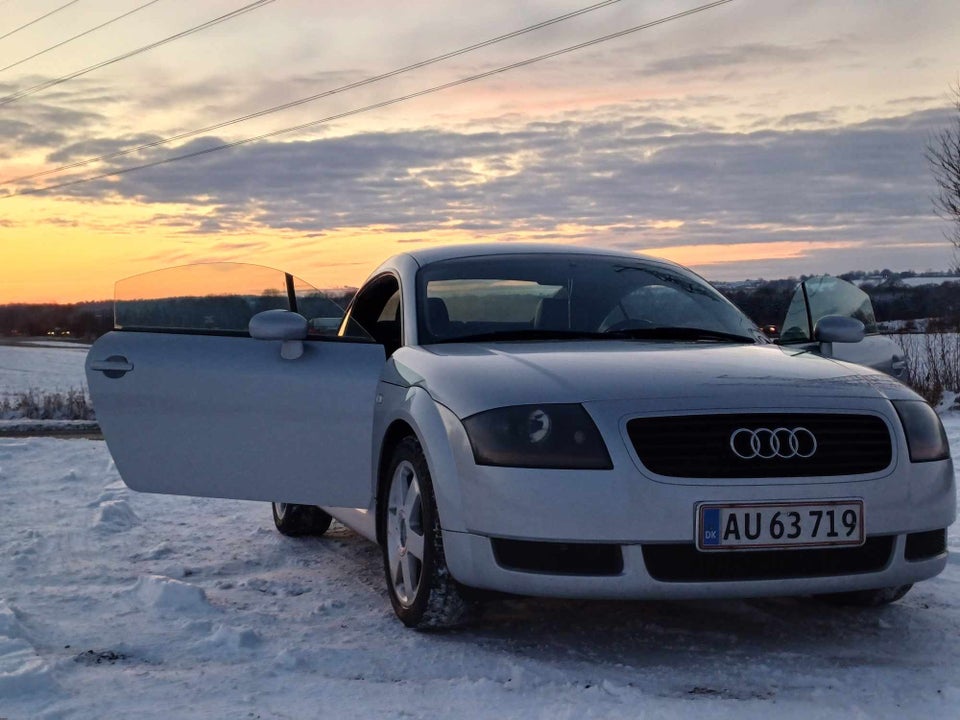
x: 115, y: 604
x: 41, y: 365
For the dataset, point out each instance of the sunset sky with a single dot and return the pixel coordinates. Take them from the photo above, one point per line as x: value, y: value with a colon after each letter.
x: 761, y: 138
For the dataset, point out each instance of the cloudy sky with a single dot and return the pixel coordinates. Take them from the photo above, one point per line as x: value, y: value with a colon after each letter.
x: 760, y: 138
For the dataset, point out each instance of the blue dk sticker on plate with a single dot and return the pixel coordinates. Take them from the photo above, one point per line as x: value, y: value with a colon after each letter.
x: 711, y: 526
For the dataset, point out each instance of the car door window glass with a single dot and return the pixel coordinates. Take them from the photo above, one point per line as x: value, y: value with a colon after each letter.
x: 796, y: 324
x: 217, y: 298
x: 322, y: 312
x: 832, y: 296
x: 821, y: 296
x: 210, y: 297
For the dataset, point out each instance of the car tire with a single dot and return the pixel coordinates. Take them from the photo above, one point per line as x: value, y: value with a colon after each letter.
x: 422, y: 591
x: 300, y: 520
x: 867, y: 598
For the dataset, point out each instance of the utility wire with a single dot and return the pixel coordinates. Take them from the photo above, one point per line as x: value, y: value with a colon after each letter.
x: 197, y: 28
x: 317, y: 96
x: 382, y: 104
x: 80, y: 35
x: 42, y: 17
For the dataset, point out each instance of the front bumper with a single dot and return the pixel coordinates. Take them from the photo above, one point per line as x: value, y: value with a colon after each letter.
x: 472, y: 561
x: 631, y: 508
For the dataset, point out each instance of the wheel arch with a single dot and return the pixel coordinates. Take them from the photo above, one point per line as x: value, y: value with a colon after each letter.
x: 419, y: 416
x: 397, y: 431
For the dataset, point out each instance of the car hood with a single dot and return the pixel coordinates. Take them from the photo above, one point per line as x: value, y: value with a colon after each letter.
x: 472, y: 377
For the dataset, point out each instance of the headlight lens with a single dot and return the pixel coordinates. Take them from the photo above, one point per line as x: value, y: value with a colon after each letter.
x: 926, y: 437
x: 537, y: 436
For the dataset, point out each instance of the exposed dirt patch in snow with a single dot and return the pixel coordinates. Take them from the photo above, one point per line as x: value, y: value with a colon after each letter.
x: 99, y: 657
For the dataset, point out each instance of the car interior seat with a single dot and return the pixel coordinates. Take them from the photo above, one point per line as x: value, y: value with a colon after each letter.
x: 438, y: 317
x: 552, y: 314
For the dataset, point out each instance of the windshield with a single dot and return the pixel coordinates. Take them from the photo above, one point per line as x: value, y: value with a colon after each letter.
x: 521, y: 297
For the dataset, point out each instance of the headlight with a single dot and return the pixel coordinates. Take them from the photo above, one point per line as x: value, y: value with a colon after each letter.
x: 926, y: 437
x: 537, y: 436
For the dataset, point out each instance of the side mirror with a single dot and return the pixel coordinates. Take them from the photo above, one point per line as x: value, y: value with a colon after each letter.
x: 837, y: 328
x: 288, y: 327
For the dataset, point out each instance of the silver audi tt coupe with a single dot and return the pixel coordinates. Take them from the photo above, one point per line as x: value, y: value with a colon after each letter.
x: 539, y: 420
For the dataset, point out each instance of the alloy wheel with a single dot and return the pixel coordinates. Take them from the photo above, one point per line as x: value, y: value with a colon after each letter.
x: 405, y: 534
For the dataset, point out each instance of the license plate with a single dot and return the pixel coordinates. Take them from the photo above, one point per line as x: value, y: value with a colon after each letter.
x: 748, y: 526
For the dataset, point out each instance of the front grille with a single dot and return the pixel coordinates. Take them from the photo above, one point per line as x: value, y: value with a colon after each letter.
x: 699, y: 446
x: 682, y: 562
x: 558, y: 558
x: 925, y: 545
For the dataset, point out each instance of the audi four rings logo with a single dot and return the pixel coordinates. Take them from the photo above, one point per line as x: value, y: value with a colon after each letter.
x: 766, y: 443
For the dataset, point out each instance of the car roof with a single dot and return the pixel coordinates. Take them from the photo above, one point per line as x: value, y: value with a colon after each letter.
x: 427, y: 255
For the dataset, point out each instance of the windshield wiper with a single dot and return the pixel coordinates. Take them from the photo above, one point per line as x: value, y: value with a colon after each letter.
x: 644, y: 333
x: 678, y: 333
x: 524, y: 334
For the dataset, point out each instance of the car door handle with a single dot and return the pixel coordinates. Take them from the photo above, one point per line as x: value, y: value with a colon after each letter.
x: 115, y: 366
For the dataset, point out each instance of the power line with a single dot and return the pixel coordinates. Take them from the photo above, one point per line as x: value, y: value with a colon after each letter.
x: 42, y: 17
x: 381, y: 104
x: 80, y: 35
x: 317, y: 96
x: 191, y: 31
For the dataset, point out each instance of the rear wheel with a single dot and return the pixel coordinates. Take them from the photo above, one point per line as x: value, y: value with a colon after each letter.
x: 867, y: 598
x: 298, y: 520
x: 423, y: 593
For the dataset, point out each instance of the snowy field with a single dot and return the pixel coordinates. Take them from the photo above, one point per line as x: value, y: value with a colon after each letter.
x: 919, y: 281
x: 115, y: 604
x: 910, y: 282
x: 40, y: 365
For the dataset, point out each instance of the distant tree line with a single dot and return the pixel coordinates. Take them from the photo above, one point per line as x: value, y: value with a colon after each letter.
x: 90, y: 320
x: 78, y: 320
x: 941, y: 303
x: 765, y: 301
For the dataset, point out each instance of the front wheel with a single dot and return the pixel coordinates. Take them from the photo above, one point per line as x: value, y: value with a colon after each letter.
x: 867, y: 598
x: 298, y: 520
x: 423, y: 593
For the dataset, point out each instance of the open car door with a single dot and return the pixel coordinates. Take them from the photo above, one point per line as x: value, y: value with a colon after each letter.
x: 191, y: 404
x: 818, y: 297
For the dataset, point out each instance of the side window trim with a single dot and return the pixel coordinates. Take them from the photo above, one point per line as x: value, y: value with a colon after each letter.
x: 291, y: 292
x: 806, y: 305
